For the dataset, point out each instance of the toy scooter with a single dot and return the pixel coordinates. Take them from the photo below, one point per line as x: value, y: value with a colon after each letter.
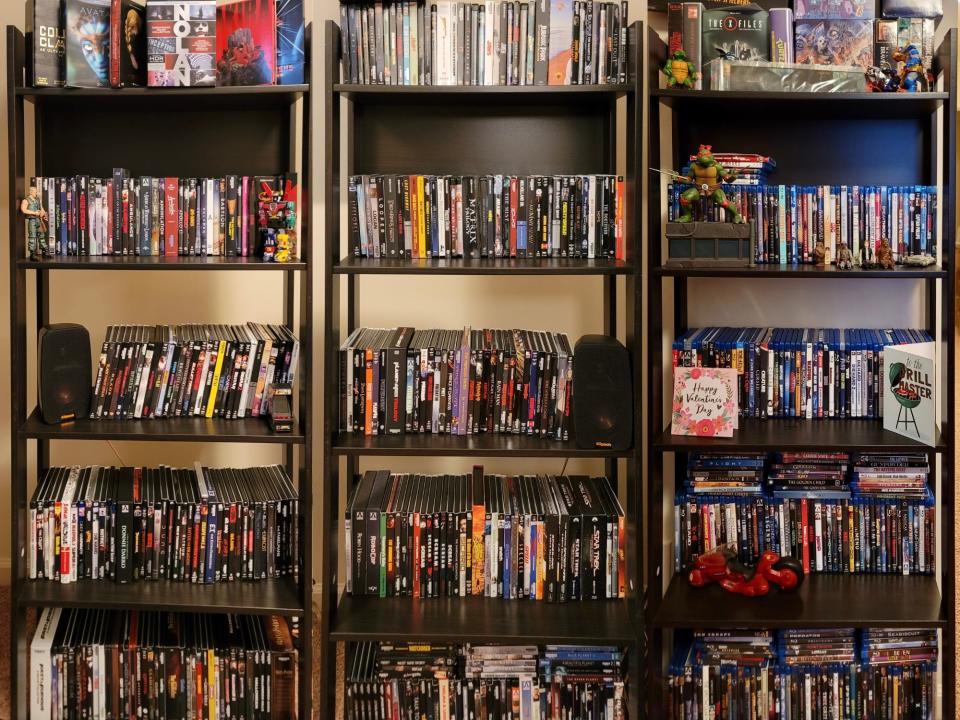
x: 721, y: 566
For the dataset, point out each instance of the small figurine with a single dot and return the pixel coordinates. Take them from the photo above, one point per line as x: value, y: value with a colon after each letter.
x: 844, y: 257
x: 705, y: 176
x: 882, y: 78
x: 918, y: 260
x: 820, y: 254
x: 885, y: 256
x: 36, y: 216
x: 277, y: 219
x: 912, y: 75
x: 679, y: 70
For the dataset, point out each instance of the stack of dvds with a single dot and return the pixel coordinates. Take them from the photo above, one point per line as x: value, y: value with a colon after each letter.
x: 199, y: 525
x: 797, y: 474
x: 552, y: 538
x: 222, y: 371
x: 889, y: 475
x: 495, y: 42
x: 816, y: 674
x: 101, y: 663
x: 899, y: 646
x: 452, y: 382
x: 710, y: 473
x: 486, y: 216
x: 484, y: 681
x: 159, y: 216
x: 750, y: 168
x: 809, y: 510
x: 807, y: 373
x: 816, y: 647
x: 790, y: 220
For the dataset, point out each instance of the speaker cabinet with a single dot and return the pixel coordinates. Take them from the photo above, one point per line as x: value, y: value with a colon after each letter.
x: 602, y: 394
x: 63, y: 359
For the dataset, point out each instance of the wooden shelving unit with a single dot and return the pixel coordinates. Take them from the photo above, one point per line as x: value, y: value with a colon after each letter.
x: 180, y: 132
x: 816, y: 139
x: 475, y: 130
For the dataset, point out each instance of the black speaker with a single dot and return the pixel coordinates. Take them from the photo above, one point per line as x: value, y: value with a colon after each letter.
x: 602, y: 394
x: 63, y: 359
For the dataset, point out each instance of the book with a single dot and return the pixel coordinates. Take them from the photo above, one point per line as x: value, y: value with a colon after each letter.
x: 181, y: 43
x: 128, y: 44
x: 910, y: 391
x: 291, y: 39
x: 46, y: 42
x: 87, y: 42
x: 247, y: 42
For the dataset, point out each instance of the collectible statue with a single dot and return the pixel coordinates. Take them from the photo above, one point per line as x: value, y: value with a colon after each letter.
x: 277, y: 220
x: 913, y: 78
x: 885, y: 256
x: 679, y: 70
x: 721, y: 566
x: 705, y: 175
x: 844, y: 257
x: 882, y: 78
x: 820, y: 254
x: 36, y: 216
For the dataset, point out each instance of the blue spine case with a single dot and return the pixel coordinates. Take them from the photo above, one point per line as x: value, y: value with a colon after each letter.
x: 291, y: 43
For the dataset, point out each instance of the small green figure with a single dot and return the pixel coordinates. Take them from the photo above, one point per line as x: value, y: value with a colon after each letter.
x: 31, y: 207
x: 705, y: 177
x: 679, y: 70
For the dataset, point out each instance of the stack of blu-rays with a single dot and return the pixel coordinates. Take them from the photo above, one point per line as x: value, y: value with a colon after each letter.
x: 891, y: 475
x: 710, y: 473
x: 889, y: 646
x: 750, y: 168
x: 816, y: 647
x: 797, y: 474
x: 416, y: 660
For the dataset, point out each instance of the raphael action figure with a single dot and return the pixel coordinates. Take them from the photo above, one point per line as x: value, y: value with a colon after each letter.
x: 36, y: 224
x: 705, y: 176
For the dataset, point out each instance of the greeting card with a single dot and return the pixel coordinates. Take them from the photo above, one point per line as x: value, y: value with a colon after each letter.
x: 704, y: 401
x: 910, y: 392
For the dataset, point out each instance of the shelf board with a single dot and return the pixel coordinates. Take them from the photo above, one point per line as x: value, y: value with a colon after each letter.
x: 532, y: 91
x: 482, y: 266
x: 822, y: 601
x: 859, y: 104
x: 798, y: 434
x: 685, y: 269
x: 265, y: 597
x: 234, y: 97
x: 482, y: 620
x: 183, y: 429
x: 482, y: 445
x: 141, y: 262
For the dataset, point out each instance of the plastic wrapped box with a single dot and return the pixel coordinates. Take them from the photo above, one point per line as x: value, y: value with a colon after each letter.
x: 725, y: 74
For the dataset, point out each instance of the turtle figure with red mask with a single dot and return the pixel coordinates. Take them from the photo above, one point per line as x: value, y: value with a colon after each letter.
x: 721, y: 566
x: 705, y: 177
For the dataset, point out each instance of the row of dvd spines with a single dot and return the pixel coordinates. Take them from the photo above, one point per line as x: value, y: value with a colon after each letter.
x: 495, y: 42
x: 486, y: 216
x: 197, y: 525
x: 223, y: 371
x: 864, y: 535
x: 99, y: 664
x: 552, y: 538
x: 810, y: 373
x: 158, y: 216
x: 456, y: 382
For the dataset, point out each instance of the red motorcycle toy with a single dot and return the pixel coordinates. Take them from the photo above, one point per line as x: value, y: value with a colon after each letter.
x: 721, y: 566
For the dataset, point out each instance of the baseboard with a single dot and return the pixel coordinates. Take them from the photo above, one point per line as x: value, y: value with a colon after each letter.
x: 5, y: 565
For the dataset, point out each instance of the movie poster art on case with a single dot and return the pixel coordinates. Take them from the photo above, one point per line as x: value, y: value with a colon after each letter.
x: 181, y: 43
x: 246, y: 42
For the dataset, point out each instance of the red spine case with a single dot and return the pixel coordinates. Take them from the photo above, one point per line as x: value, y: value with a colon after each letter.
x: 171, y: 207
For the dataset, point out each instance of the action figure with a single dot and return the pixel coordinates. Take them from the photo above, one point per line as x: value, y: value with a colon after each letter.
x: 820, y: 254
x: 705, y: 176
x: 885, y: 256
x: 679, y: 70
x: 844, y: 257
x: 36, y: 224
x: 882, y: 78
x: 912, y: 76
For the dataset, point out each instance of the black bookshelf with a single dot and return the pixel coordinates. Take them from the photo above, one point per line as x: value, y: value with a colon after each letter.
x: 816, y: 138
x: 475, y: 130
x: 179, y: 132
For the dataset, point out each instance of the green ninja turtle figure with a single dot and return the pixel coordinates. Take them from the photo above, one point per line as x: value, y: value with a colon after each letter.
x: 705, y: 177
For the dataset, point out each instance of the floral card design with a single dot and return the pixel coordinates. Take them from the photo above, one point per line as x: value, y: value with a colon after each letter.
x: 704, y: 401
